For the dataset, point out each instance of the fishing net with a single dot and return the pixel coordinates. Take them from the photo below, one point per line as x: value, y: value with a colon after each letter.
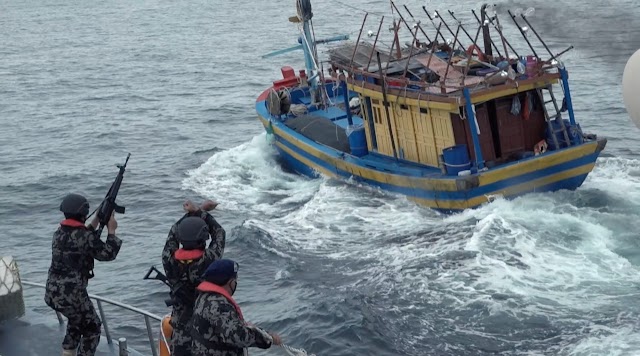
x: 11, y: 301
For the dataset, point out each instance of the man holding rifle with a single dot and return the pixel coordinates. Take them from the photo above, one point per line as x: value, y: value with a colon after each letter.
x: 74, y: 248
x: 73, y: 251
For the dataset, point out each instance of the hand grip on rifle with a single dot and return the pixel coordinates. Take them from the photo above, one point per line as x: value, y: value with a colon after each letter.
x: 108, y: 205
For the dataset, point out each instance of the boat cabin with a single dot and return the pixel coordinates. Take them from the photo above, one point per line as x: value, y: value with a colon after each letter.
x: 439, y: 105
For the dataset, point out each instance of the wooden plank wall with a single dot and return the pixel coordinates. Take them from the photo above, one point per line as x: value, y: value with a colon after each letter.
x: 419, y: 135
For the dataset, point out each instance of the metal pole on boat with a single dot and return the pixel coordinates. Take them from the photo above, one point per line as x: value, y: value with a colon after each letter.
x: 446, y: 72
x: 537, y: 35
x: 486, y: 36
x: 504, y: 40
x: 433, y: 49
x: 122, y: 347
x: 374, y: 43
x: 400, y: 15
x: 406, y: 66
x: 434, y: 24
x: 524, y: 35
x: 417, y: 23
x: 385, y: 103
x: 561, y: 53
x: 471, y: 117
x: 567, y: 93
x: 305, y: 14
x: 466, y: 70
x: 355, y: 49
x: 475, y: 42
x: 455, y: 38
x: 393, y: 45
x: 499, y: 28
x: 152, y: 342
x: 345, y: 92
x: 105, y: 324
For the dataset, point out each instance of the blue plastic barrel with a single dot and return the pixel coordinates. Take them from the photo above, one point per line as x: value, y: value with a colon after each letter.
x: 357, y: 140
x: 456, y: 159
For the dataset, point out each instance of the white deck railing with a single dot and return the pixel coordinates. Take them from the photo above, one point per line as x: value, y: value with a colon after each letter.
x: 122, y: 342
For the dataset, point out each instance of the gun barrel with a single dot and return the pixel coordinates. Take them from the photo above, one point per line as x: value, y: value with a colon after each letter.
x: 108, y: 205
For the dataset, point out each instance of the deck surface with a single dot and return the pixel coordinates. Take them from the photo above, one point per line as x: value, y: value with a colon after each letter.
x: 38, y: 335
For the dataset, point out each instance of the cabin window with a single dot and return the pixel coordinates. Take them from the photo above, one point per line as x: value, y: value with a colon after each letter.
x: 404, y: 107
x: 424, y: 110
x: 375, y: 101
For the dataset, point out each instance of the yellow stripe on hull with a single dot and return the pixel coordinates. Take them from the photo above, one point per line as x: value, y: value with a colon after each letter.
x: 435, y: 184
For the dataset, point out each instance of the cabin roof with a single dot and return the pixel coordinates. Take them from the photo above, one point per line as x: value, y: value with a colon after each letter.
x: 442, y: 70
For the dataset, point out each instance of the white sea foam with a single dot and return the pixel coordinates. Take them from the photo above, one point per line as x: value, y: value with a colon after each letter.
x: 551, y: 254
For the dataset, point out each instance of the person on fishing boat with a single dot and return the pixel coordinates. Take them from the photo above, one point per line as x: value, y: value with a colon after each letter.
x: 185, y: 257
x: 218, y: 327
x: 74, y: 249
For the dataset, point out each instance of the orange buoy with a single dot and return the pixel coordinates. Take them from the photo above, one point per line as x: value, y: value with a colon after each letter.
x: 165, y: 336
x: 473, y: 48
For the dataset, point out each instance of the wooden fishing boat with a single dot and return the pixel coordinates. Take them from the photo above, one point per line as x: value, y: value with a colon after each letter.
x: 447, y: 123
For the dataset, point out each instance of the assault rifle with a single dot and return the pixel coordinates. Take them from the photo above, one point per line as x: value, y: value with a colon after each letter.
x: 108, y: 205
x: 159, y: 277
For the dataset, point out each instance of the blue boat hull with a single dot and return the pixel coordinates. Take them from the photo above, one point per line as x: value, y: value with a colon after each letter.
x: 566, y: 168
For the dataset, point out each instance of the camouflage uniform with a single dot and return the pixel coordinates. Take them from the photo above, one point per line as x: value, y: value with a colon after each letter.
x: 219, y: 330
x: 184, y: 277
x: 73, y: 252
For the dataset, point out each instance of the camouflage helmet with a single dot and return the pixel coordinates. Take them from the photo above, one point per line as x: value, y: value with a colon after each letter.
x: 75, y: 204
x: 192, y: 231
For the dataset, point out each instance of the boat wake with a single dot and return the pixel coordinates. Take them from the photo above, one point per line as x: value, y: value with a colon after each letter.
x: 550, y: 272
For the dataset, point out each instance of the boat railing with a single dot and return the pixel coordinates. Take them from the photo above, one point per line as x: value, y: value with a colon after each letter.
x: 122, y: 342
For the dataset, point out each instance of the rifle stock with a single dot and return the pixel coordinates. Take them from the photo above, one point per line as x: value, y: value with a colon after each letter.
x: 108, y: 205
x: 159, y: 277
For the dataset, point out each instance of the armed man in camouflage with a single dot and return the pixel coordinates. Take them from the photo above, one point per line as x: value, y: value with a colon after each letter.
x: 75, y: 246
x: 185, y: 265
x: 217, y: 325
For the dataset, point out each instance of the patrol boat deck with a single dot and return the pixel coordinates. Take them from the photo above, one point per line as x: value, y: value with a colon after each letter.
x: 39, y: 334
